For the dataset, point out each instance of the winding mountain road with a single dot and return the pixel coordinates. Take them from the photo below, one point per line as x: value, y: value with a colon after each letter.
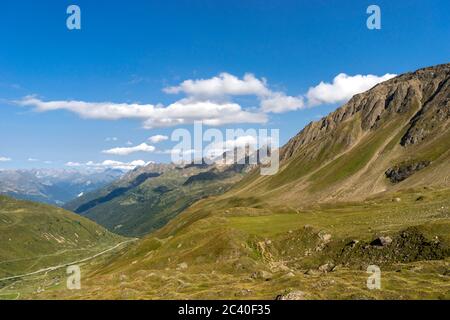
x: 68, y: 264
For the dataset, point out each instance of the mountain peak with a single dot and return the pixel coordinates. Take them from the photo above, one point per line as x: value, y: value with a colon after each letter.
x: 422, y: 92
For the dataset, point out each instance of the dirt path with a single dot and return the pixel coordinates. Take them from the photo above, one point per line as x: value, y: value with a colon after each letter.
x: 68, y: 264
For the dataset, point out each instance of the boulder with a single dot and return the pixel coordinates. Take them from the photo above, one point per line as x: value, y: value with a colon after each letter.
x: 381, y: 241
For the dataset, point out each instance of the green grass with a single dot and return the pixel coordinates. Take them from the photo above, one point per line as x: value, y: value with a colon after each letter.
x: 353, y: 219
x: 222, y: 252
x: 36, y: 236
x: 267, y: 226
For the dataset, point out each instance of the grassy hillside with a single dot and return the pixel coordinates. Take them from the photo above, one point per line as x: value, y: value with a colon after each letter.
x: 34, y: 236
x: 221, y: 250
x: 148, y: 198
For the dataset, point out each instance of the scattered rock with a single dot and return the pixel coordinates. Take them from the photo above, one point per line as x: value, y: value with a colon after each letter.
x: 243, y: 292
x: 262, y: 274
x: 327, y: 267
x: 294, y: 295
x: 311, y: 272
x: 182, y: 266
x: 325, y: 237
x: 266, y: 275
x: 289, y: 275
x: 40, y: 289
x: 408, y: 245
x: 336, y: 268
x: 352, y: 243
x: 381, y: 241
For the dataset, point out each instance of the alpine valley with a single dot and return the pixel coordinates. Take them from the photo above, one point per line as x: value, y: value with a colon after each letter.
x: 368, y: 184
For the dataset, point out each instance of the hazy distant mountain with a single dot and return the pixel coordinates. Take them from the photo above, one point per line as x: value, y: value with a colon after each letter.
x: 54, y: 186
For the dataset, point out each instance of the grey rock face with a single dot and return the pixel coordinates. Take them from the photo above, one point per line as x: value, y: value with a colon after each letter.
x: 402, y: 172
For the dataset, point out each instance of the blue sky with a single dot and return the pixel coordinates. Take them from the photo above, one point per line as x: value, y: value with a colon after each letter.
x: 129, y: 51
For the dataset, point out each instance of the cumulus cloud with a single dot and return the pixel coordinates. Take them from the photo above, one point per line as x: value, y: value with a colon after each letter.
x: 185, y: 111
x: 143, y: 147
x: 5, y: 159
x: 92, y: 110
x: 211, y: 101
x: 224, y: 84
x: 343, y: 88
x: 279, y: 103
x: 211, y: 113
x: 110, y: 164
x: 158, y: 138
x: 240, y: 142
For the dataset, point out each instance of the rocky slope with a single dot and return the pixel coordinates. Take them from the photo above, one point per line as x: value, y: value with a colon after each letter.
x: 401, y: 122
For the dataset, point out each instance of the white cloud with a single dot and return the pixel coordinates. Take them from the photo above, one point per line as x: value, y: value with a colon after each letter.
x: 111, y: 139
x: 158, y: 138
x: 240, y: 142
x: 5, y: 159
x: 279, y: 103
x: 185, y: 111
x: 110, y: 164
x: 211, y: 113
x: 211, y: 101
x: 343, y: 88
x: 118, y: 164
x: 224, y: 84
x: 143, y: 147
x: 92, y: 110
x: 33, y: 159
x: 217, y: 149
x: 73, y: 164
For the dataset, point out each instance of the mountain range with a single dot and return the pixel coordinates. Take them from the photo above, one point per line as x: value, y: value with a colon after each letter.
x: 148, y: 197
x: 369, y: 184
x: 54, y: 186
